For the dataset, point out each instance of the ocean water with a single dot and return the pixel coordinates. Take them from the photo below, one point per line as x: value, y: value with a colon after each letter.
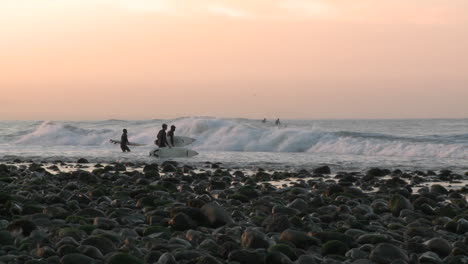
x: 341, y: 144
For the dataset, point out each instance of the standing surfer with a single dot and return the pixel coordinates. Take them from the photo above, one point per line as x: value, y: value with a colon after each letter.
x: 170, y: 134
x: 161, y: 140
x: 277, y: 122
x: 124, y: 142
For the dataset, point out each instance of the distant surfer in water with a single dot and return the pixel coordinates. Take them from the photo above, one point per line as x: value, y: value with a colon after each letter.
x: 264, y: 120
x: 161, y: 140
x: 170, y: 134
x: 124, y: 142
x: 277, y: 122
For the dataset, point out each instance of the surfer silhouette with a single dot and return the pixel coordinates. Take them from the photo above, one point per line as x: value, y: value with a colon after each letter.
x: 161, y: 140
x: 264, y: 120
x: 124, y: 142
x: 277, y: 122
x: 170, y: 134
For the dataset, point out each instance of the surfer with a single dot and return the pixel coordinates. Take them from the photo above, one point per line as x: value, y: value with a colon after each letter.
x: 161, y: 140
x: 277, y: 122
x: 170, y: 134
x: 264, y: 120
x: 124, y: 142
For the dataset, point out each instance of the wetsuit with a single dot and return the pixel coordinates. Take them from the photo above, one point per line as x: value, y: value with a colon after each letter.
x: 124, y: 143
x: 170, y: 134
x: 162, y: 139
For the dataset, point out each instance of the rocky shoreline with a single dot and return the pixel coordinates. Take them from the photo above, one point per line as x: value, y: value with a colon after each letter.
x: 173, y: 213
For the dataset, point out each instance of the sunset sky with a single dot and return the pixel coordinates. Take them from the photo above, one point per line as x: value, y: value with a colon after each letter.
x: 307, y: 59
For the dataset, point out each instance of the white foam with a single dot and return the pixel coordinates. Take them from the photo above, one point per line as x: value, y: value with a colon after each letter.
x: 215, y: 134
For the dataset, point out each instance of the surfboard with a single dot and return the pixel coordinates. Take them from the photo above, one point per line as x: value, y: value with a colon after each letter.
x: 175, y: 152
x: 130, y: 144
x: 182, y: 141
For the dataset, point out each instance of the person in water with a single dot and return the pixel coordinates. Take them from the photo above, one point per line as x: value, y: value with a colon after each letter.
x: 277, y: 122
x: 124, y: 142
x: 170, y: 135
x: 264, y: 120
x: 161, y: 140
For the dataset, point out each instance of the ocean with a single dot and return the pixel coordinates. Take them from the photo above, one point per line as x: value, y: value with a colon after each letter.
x: 341, y: 144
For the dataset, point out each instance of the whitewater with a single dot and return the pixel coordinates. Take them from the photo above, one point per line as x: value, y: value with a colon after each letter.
x: 346, y: 144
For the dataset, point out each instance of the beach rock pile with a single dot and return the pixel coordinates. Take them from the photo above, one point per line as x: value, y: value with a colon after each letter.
x: 171, y: 213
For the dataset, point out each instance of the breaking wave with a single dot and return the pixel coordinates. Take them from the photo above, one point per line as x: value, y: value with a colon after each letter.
x: 215, y: 134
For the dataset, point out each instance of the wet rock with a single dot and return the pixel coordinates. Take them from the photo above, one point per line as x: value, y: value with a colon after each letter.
x: 324, y: 237
x: 216, y: 215
x: 386, y: 253
x: 429, y: 257
x: 437, y: 188
x: 76, y: 258
x: 246, y: 256
x: 285, y: 249
x: 123, y: 258
x: 253, y: 239
x: 82, y: 161
x: 322, y: 170
x: 372, y: 239
x: 439, y: 245
x: 24, y: 227
x: 377, y: 172
x: 6, y: 238
x: 167, y: 258
x: 103, y: 244
x: 277, y: 258
x: 334, y: 247
x: 276, y: 223
x: 398, y: 203
x: 462, y: 226
x: 182, y: 222
x: 91, y: 252
x: 298, y: 238
x: 105, y: 223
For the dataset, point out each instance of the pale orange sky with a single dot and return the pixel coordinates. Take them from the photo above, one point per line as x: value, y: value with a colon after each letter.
x: 140, y: 59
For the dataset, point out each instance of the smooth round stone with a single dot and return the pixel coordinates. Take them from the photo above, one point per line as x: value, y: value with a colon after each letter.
x: 77, y: 258
x: 440, y: 246
x: 386, y: 253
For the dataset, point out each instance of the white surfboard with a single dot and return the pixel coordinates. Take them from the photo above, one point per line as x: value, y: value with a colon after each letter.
x: 182, y: 141
x: 175, y: 152
x: 115, y: 141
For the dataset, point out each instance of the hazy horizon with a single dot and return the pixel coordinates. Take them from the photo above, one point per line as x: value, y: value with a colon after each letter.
x: 288, y: 59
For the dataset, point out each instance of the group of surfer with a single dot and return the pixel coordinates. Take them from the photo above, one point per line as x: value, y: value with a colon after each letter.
x: 277, y: 122
x: 161, y: 139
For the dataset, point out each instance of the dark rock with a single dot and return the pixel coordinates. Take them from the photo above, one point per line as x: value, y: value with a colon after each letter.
x: 277, y: 258
x: 22, y: 226
x: 440, y: 246
x: 253, y: 239
x: 298, y: 238
x: 246, y: 257
x: 322, y: 170
x: 216, y: 215
x: 82, y: 161
x: 6, y: 239
x: 334, y: 247
x: 398, y: 203
x: 324, y: 237
x: 123, y: 258
x: 105, y: 223
x: 437, y: 188
x: 76, y: 258
x: 168, y: 168
x: 105, y: 245
x: 182, y: 222
x: 276, y: 223
x: 167, y: 258
x: 386, y: 253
